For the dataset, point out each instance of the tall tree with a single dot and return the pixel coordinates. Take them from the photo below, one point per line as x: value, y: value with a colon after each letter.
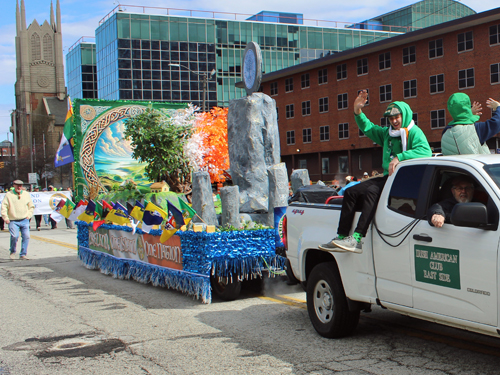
x: 158, y: 139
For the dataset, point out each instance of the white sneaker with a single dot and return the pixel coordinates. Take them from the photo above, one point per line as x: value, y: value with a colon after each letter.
x: 349, y: 244
x: 330, y: 246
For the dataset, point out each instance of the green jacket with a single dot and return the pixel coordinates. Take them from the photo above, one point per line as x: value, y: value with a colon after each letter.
x: 416, y: 147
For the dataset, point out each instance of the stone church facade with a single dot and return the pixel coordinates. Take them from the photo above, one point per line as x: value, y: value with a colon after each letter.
x: 41, y: 99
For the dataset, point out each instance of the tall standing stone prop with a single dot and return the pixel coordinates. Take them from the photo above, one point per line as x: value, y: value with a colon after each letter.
x: 253, y: 138
x: 278, y: 190
x: 203, y: 202
x: 230, y: 203
x: 299, y: 178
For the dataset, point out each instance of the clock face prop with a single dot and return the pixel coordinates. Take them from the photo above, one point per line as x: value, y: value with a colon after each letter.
x: 252, y: 67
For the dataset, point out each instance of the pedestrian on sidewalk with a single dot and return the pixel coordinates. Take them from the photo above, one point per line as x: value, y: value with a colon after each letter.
x: 53, y: 223
x: 17, y: 209
x: 38, y: 218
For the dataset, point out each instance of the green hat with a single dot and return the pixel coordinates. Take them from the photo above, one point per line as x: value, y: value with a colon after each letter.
x: 392, y: 110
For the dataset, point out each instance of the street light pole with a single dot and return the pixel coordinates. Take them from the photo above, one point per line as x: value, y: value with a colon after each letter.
x: 205, y: 77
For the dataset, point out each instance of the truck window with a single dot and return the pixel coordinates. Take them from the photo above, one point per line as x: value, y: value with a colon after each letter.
x: 441, y: 190
x: 405, y: 189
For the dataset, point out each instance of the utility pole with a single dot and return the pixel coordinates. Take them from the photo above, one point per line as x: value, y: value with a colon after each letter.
x: 44, y: 161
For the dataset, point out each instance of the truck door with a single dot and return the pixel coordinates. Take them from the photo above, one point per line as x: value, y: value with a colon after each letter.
x: 454, y: 269
x: 397, y: 209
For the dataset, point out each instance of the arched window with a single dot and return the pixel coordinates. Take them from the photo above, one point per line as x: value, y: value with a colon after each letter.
x: 47, y: 48
x: 36, y: 51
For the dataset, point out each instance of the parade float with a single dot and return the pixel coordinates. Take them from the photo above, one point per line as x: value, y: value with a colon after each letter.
x: 194, y: 258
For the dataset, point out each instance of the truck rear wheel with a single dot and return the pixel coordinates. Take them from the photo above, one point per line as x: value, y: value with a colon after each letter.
x: 226, y: 288
x: 327, y: 303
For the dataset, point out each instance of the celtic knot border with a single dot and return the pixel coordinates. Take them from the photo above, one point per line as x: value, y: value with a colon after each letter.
x: 92, y: 135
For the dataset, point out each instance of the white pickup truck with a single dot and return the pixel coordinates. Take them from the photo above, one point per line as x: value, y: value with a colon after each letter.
x: 448, y: 275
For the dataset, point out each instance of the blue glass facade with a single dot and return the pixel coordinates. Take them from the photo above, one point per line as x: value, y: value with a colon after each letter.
x: 81, y: 71
x: 135, y: 53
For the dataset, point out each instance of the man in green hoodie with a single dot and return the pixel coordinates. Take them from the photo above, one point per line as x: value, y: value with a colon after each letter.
x: 465, y: 134
x: 402, y: 140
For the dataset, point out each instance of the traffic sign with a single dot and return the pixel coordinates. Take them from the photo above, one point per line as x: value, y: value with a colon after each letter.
x: 32, y: 178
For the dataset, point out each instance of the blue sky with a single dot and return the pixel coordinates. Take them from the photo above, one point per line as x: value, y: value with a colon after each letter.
x: 81, y: 18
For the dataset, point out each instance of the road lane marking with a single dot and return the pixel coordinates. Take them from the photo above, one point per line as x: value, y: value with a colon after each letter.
x: 55, y: 242
x: 283, y: 302
x: 292, y: 299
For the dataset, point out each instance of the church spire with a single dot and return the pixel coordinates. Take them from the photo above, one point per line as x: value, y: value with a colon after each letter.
x: 23, y: 16
x: 18, y: 18
x: 52, y: 20
x: 58, y: 17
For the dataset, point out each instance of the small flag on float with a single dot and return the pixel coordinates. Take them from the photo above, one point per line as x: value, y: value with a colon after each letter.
x: 117, y: 215
x: 80, y: 207
x: 67, y: 209
x: 88, y: 214
x: 56, y: 214
x: 175, y: 217
x: 137, y: 211
x: 187, y: 211
x: 153, y: 215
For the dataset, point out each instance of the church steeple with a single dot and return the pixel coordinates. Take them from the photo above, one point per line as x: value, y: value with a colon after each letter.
x: 58, y: 17
x: 18, y: 17
x: 52, y: 20
x: 23, y: 16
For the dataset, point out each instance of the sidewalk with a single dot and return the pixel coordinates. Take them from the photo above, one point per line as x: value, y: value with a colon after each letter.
x: 46, y: 243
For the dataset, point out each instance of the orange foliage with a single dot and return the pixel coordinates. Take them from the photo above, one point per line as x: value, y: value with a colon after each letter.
x: 213, y: 125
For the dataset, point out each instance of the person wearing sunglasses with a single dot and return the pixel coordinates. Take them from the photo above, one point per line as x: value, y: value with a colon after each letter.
x: 17, y: 210
x: 462, y: 190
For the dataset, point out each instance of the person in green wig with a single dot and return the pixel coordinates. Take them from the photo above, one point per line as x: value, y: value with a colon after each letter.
x: 402, y: 140
x: 466, y: 134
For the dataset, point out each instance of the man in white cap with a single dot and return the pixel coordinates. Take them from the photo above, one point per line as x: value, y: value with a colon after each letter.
x: 17, y: 210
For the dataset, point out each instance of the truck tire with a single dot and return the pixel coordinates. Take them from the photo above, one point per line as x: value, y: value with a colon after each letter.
x: 327, y: 303
x: 226, y: 288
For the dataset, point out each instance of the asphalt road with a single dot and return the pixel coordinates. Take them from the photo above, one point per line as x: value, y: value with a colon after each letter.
x: 57, y: 317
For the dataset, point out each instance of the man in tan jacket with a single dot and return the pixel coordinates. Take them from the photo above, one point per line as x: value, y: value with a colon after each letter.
x: 17, y: 209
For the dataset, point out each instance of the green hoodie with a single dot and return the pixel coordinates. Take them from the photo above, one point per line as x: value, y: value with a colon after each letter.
x: 416, y: 146
x: 459, y: 107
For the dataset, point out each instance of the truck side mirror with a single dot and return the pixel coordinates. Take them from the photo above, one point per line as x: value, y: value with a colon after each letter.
x: 473, y: 214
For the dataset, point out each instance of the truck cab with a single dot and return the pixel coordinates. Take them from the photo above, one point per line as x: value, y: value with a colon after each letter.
x: 448, y: 274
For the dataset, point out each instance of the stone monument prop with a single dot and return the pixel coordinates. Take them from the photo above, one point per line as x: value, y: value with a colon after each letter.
x: 253, y: 140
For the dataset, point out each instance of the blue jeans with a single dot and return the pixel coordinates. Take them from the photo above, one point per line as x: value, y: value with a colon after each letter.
x: 14, y: 227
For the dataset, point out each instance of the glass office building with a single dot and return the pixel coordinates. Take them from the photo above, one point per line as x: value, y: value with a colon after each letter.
x: 135, y: 53
x: 81, y: 71
x: 422, y: 14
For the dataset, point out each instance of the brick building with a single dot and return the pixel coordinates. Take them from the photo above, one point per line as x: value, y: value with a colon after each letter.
x: 422, y: 68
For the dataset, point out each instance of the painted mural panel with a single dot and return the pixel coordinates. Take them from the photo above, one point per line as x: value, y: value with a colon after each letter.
x: 102, y: 156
